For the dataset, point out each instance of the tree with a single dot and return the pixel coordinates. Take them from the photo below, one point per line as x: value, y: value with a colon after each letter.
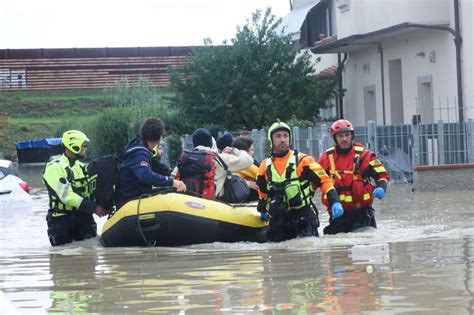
x: 250, y: 83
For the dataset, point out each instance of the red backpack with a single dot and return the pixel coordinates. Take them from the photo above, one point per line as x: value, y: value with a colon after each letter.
x: 196, y: 168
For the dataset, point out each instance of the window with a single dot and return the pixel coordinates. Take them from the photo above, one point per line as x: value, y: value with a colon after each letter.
x: 316, y: 26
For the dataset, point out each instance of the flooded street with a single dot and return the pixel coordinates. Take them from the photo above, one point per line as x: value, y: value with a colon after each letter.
x: 419, y: 260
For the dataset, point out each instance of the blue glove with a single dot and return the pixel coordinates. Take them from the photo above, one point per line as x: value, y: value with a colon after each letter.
x: 379, y: 193
x: 264, y: 216
x: 337, y: 210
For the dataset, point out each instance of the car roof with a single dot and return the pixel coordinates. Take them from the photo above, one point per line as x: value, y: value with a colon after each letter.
x: 6, y: 163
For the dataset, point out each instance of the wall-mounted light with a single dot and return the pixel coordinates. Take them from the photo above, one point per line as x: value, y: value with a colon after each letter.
x: 420, y: 55
x: 433, y: 56
x: 366, y: 67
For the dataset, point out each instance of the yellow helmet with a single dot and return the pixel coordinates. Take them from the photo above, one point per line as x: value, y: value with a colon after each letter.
x: 277, y: 126
x: 73, y: 140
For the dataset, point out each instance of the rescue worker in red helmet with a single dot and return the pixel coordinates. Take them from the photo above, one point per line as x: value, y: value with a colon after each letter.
x: 286, y: 182
x: 353, y: 168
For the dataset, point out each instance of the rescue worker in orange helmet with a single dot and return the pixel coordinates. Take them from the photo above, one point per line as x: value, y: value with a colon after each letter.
x: 353, y: 168
x: 286, y: 182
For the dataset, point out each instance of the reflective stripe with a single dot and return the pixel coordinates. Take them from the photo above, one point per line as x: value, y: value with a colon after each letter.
x: 333, y: 170
x: 380, y: 169
x: 374, y: 162
x: 65, y: 189
x: 345, y: 198
x: 348, y: 198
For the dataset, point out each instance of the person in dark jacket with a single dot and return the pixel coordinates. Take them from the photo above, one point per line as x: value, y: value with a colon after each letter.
x: 136, y: 175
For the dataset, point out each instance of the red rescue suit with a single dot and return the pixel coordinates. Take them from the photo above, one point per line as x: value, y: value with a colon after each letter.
x: 352, y: 173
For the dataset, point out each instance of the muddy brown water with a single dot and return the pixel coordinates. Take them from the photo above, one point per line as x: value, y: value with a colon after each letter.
x: 419, y: 260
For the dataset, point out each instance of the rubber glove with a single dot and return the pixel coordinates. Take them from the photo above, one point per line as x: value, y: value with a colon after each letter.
x: 337, y: 210
x: 379, y: 193
x: 264, y: 216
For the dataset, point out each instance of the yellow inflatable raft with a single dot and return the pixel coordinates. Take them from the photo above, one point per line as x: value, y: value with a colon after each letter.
x: 174, y: 219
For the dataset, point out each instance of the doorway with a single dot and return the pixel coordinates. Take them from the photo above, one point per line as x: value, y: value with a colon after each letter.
x: 396, y: 91
x: 425, y: 99
x: 370, y: 105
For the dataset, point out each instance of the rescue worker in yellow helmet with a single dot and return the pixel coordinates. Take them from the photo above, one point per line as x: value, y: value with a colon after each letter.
x: 353, y: 168
x: 286, y: 184
x: 70, y: 211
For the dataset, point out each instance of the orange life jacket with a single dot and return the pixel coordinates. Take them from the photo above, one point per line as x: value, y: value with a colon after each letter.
x: 354, y: 191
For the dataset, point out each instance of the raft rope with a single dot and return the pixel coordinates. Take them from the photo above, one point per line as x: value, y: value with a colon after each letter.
x: 139, y: 224
x: 165, y: 191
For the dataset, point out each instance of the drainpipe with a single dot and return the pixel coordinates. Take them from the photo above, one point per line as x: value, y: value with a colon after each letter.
x: 380, y: 49
x: 457, y: 44
x: 340, y: 68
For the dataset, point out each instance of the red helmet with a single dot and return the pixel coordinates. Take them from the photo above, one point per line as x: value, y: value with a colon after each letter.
x: 341, y: 125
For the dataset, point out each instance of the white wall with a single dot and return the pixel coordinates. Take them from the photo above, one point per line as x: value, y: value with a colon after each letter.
x: 370, y: 15
x: 363, y: 69
x: 356, y: 78
x: 442, y: 70
x: 301, y: 3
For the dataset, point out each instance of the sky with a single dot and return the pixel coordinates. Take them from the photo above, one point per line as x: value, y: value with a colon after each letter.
x: 124, y: 23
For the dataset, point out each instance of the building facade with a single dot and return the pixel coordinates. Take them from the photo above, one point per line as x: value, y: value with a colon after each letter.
x: 403, y: 61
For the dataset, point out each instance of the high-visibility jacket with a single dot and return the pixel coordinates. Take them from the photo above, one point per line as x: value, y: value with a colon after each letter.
x: 300, y: 177
x: 352, y: 173
x: 67, y: 185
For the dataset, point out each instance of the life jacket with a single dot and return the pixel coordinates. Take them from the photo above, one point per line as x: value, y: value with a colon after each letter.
x: 196, y: 168
x: 354, y: 191
x: 103, y: 177
x: 297, y: 194
x: 76, y: 175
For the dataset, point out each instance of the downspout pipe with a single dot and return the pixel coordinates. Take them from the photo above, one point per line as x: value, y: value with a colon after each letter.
x: 380, y: 50
x: 340, y: 69
x: 457, y: 44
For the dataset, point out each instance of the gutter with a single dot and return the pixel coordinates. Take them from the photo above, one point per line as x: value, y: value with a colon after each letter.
x: 340, y: 68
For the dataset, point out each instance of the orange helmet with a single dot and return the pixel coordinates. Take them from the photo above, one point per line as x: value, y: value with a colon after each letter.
x: 341, y: 125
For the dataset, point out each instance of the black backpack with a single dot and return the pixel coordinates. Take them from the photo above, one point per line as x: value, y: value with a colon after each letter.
x: 103, y: 179
x: 196, y: 168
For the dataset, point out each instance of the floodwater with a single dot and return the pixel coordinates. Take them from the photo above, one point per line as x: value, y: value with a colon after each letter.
x: 419, y: 260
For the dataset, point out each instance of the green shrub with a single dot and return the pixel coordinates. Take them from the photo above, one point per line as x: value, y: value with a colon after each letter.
x: 111, y: 131
x: 174, y: 148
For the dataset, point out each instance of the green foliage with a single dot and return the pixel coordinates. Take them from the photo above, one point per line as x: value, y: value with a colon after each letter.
x: 302, y: 123
x: 113, y: 128
x: 67, y: 104
x: 174, y: 148
x: 110, y: 131
x: 251, y: 83
x: 4, y: 126
x: 142, y: 98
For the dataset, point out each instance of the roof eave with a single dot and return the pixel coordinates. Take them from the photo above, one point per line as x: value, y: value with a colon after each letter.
x: 358, y: 41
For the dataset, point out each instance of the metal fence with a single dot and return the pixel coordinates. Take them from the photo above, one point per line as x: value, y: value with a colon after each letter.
x: 400, y: 147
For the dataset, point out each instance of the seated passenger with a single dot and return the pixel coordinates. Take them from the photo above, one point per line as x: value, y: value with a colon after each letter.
x: 136, y: 175
x: 249, y: 174
x: 235, y: 160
